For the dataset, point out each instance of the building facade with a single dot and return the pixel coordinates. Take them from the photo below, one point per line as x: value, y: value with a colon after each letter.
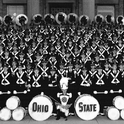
x: 80, y: 7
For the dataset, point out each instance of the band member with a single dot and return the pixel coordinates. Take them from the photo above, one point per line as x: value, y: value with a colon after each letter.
x: 30, y: 54
x: 45, y: 47
x: 58, y: 46
x: 44, y: 67
x: 9, y: 45
x: 63, y: 107
x: 37, y: 58
x: 77, y: 70
x: 85, y: 81
x: 40, y: 38
x: 120, y: 46
x: 34, y: 46
x: 36, y: 78
x: 94, y: 45
x: 107, y: 49
x: 89, y: 57
x: 101, y: 52
x: 115, y: 74
x: 99, y: 88
x: 15, y: 51
x: 92, y: 71
x: 6, y: 56
x: 53, y: 60
x: 29, y: 71
x: 6, y: 76
x: 22, y: 58
x: 76, y: 51
x: 115, y: 82
x: 53, y: 77
x: 61, y: 69
x: 20, y: 80
x: 1, y: 48
x: 5, y: 85
x: 70, y: 70
x: 13, y: 67
x: 22, y: 45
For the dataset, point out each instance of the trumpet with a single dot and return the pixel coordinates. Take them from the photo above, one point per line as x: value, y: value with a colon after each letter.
x: 83, y: 20
x: 8, y: 20
x: 37, y: 19
x: 99, y: 18
x: 120, y: 19
x: 61, y: 18
x: 49, y: 18
x: 21, y: 19
x: 109, y: 19
x: 72, y: 18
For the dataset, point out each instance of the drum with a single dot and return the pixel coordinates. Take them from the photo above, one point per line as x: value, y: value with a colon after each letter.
x: 113, y: 113
x: 40, y: 108
x: 5, y: 114
x: 86, y: 107
x: 122, y: 114
x: 13, y: 102
x: 18, y: 114
x: 118, y: 102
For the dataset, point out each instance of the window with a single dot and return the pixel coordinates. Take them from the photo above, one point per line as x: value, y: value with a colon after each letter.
x: 18, y: 9
x: 105, y: 10
x: 54, y: 8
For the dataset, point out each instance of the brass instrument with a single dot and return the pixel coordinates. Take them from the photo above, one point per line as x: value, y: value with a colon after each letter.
x: 99, y: 18
x: 72, y: 18
x: 120, y: 19
x: 61, y: 18
x: 109, y: 19
x: 7, y: 19
x: 49, y: 19
x: 37, y: 19
x: 21, y: 19
x: 83, y: 20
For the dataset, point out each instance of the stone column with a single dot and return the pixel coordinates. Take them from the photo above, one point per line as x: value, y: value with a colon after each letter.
x: 89, y: 8
x: 80, y: 7
x: 33, y: 7
x: 121, y: 7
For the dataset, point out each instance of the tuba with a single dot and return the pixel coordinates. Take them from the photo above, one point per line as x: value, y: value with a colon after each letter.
x: 8, y: 19
x: 83, y: 20
x: 49, y: 18
x: 120, y: 19
x: 72, y: 18
x: 109, y: 19
x: 61, y: 18
x: 99, y: 18
x: 37, y: 19
x: 21, y: 19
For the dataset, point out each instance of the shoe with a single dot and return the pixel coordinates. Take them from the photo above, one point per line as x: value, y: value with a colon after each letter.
x: 54, y: 114
x: 57, y: 118
x: 66, y: 119
x: 102, y: 114
x: 71, y: 114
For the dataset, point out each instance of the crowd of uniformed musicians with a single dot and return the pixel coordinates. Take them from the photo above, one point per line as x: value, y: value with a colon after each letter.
x: 34, y: 60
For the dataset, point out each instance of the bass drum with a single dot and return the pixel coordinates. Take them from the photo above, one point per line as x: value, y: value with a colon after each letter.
x: 13, y: 102
x: 122, y: 114
x: 118, y: 102
x: 40, y: 108
x: 113, y: 113
x: 5, y: 114
x: 86, y: 107
x: 18, y: 114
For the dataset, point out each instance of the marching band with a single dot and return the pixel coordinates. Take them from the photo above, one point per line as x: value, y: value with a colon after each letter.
x: 34, y: 59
